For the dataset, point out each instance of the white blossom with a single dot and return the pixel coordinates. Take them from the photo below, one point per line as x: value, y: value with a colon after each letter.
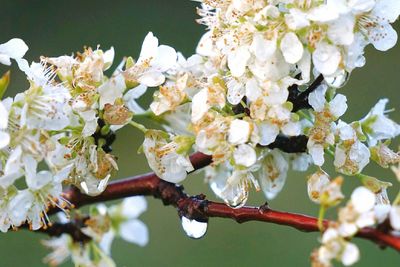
x: 14, y: 48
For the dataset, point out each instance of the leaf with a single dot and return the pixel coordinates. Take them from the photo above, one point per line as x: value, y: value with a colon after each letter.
x: 4, y: 82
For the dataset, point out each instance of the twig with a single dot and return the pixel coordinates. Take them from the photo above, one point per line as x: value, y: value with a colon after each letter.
x: 198, y: 208
x: 300, y: 99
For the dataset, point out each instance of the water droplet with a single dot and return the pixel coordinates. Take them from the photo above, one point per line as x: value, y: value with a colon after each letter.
x: 93, y: 186
x: 339, y: 80
x: 193, y: 228
x: 235, y: 196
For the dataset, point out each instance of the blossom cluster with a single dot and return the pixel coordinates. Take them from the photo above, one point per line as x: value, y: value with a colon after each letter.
x: 103, y: 225
x: 66, y: 120
x: 265, y: 71
x: 239, y: 93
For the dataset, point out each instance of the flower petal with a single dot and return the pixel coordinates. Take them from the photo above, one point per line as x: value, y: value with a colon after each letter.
x: 132, y: 207
x: 134, y: 231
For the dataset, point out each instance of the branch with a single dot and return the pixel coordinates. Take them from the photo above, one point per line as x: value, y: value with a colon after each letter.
x: 300, y: 99
x: 198, y: 208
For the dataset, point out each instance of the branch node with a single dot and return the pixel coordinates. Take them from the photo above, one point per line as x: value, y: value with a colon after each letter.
x: 265, y: 207
x: 194, y: 208
x: 169, y: 193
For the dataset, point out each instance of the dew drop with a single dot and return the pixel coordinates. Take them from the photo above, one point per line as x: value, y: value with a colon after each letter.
x: 339, y: 80
x: 193, y: 228
x: 237, y: 201
x: 236, y: 195
x: 94, y: 187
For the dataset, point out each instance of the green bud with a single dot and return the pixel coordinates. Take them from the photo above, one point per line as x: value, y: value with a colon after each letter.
x: 184, y: 143
x: 4, y: 82
x: 373, y: 183
x: 63, y: 141
x: 130, y: 62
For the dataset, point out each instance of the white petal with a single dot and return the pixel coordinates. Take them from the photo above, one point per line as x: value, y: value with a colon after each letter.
x: 131, y: 95
x: 273, y: 174
x: 132, y: 207
x: 237, y: 61
x: 387, y: 9
x: 317, y: 98
x: 5, y: 60
x: 323, y: 13
x: 111, y: 90
x: 134, y: 231
x: 268, y: 133
x: 291, y: 128
x: 106, y: 242
x: 395, y: 217
x: 239, y: 132
x: 149, y: 48
x: 205, y: 47
x: 362, y: 199
x: 152, y: 78
x: 383, y: 37
x: 245, y: 155
x: 347, y: 229
x: 317, y: 154
x: 4, y: 139
x: 341, y: 31
x: 338, y: 105
x: 350, y: 255
x: 236, y: 91
x: 262, y: 48
x: 15, y: 48
x: 166, y: 58
x: 200, y: 105
x: 291, y: 47
x: 361, y: 6
x: 326, y: 58
x: 108, y: 58
x: 253, y: 90
x: 3, y: 116
x: 296, y: 19
x: 381, y: 213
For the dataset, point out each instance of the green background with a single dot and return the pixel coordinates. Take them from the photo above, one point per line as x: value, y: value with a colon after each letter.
x: 54, y: 28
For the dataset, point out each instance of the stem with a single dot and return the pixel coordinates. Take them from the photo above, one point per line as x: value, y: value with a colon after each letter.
x: 321, y: 216
x: 146, y: 115
x: 198, y: 208
x: 138, y: 126
x: 396, y: 201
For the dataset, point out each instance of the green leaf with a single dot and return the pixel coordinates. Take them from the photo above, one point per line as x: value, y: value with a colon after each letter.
x: 4, y: 82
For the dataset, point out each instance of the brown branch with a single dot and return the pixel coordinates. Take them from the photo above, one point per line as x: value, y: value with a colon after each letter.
x: 300, y: 99
x: 200, y: 209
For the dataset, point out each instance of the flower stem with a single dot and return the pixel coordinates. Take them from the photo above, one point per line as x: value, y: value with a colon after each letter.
x: 321, y: 216
x: 396, y: 201
x: 147, y: 115
x: 138, y: 126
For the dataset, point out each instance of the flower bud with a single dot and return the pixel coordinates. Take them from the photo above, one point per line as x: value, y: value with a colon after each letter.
x: 116, y: 114
x: 323, y: 191
x: 384, y: 156
x: 106, y: 164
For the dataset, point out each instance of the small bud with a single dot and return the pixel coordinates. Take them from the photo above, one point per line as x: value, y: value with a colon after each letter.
x: 323, y: 191
x: 106, y: 165
x: 384, y: 156
x: 116, y: 114
x: 4, y: 82
x: 184, y: 143
x: 373, y: 184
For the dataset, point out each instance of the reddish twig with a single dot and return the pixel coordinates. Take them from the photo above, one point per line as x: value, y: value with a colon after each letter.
x: 200, y: 209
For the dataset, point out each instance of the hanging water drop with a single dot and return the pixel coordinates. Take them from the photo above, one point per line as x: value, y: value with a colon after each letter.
x: 237, y: 201
x: 93, y: 186
x: 339, y: 80
x: 235, y: 195
x: 193, y: 228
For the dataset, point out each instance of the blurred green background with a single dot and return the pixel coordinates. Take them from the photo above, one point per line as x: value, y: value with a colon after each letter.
x: 54, y: 28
